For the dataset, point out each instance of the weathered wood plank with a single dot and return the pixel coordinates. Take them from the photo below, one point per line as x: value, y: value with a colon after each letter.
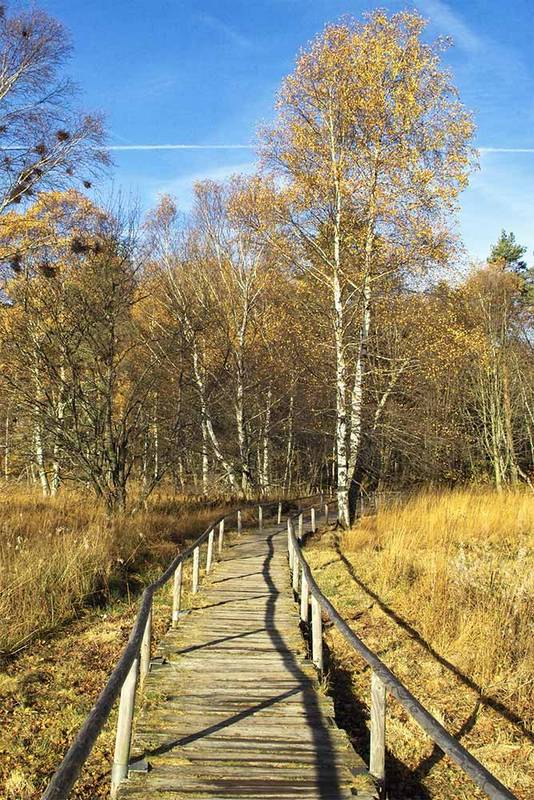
x: 232, y: 708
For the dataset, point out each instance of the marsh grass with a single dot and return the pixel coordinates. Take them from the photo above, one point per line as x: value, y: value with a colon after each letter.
x: 59, y: 555
x: 441, y: 586
x: 69, y: 585
x: 461, y: 566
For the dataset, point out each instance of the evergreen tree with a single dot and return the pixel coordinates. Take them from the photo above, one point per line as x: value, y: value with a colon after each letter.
x: 507, y: 250
x: 510, y: 254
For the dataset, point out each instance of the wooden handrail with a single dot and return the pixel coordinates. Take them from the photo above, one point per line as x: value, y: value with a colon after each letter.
x: 382, y: 679
x: 123, y: 679
x: 69, y: 770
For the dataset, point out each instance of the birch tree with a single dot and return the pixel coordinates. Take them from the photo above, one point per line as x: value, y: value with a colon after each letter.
x: 372, y: 144
x: 185, y: 298
x: 74, y: 357
x: 497, y: 313
x: 237, y: 274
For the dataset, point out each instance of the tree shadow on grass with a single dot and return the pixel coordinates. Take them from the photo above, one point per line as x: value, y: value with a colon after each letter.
x: 402, y: 783
x: 353, y: 716
x: 482, y: 698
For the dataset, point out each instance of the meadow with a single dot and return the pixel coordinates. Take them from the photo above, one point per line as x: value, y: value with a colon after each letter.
x: 440, y: 585
x: 70, y: 577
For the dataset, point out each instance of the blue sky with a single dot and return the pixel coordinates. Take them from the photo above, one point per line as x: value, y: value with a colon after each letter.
x: 180, y: 71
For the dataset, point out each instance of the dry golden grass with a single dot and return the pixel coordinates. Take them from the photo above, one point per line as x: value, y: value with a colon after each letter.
x: 441, y: 586
x: 59, y: 554
x: 44, y: 696
x: 69, y: 581
x: 461, y: 566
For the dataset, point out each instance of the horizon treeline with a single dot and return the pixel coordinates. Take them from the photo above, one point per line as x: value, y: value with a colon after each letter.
x: 297, y: 329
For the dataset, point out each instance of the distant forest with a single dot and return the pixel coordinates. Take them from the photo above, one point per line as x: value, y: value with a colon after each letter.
x: 302, y: 327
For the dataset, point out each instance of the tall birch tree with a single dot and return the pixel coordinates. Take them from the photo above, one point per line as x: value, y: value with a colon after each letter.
x: 372, y: 145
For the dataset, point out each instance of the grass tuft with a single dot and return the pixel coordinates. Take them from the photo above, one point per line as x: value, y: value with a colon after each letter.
x: 69, y: 584
x: 59, y: 555
x: 441, y: 586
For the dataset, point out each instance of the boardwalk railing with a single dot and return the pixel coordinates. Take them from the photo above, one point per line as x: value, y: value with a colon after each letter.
x: 134, y: 662
x: 382, y: 679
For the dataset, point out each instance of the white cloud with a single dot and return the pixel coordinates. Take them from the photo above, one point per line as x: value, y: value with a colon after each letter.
x: 227, y: 31
x: 506, y: 149
x: 181, y: 188
x: 451, y: 24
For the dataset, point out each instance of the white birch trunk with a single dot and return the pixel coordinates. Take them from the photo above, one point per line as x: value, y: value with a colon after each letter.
x: 60, y: 415
x: 341, y: 406
x: 359, y: 379
x: 199, y: 379
x: 266, y: 429
x: 205, y: 460
x: 155, y: 438
x: 144, y: 468
x: 6, y: 447
x: 39, y: 458
x: 339, y: 337
x: 289, y: 448
x: 38, y: 433
x: 181, y: 476
x: 242, y: 437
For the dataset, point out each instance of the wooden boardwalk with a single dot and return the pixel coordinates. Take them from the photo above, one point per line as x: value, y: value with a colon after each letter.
x: 233, y: 708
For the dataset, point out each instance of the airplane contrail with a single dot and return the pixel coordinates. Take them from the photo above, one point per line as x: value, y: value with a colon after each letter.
x: 505, y: 149
x: 134, y: 147
x: 180, y: 147
x: 16, y: 147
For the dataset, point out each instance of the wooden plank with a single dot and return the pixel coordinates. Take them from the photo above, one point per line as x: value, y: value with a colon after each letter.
x: 209, y: 553
x: 196, y: 570
x: 145, y: 650
x: 317, y: 634
x: 304, y: 599
x: 232, y: 708
x: 176, y: 595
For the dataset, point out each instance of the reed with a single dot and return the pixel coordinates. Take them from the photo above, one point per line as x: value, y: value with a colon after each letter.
x: 441, y: 585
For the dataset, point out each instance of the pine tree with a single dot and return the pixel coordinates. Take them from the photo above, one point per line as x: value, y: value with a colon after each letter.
x: 509, y: 252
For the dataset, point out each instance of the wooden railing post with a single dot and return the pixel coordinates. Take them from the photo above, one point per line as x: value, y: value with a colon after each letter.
x: 377, y: 762
x: 312, y: 519
x: 317, y: 634
x: 279, y: 513
x: 196, y: 569
x: 301, y: 525
x: 176, y: 594
x: 260, y: 518
x: 209, y: 554
x: 221, y: 536
x: 64, y: 779
x: 145, y: 649
x: 326, y: 513
x: 123, y: 737
x: 304, y: 597
x: 239, y: 521
x: 296, y: 568
x: 289, y: 544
